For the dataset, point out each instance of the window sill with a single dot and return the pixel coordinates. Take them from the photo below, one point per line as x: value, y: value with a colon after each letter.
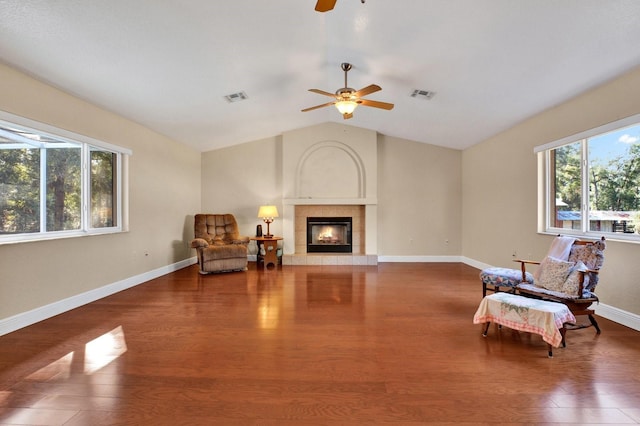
x: 619, y: 238
x: 29, y: 238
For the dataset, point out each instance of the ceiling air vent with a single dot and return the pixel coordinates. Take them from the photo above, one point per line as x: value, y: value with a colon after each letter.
x: 236, y: 97
x: 423, y: 94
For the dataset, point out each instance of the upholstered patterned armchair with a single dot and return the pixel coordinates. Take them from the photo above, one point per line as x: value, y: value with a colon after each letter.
x: 218, y: 243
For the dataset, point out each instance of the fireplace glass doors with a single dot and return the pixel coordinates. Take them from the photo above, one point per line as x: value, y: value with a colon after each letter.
x: 329, y: 235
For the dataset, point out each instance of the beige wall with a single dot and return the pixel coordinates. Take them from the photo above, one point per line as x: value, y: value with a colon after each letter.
x: 241, y: 178
x: 164, y: 193
x: 419, y: 199
x: 500, y: 187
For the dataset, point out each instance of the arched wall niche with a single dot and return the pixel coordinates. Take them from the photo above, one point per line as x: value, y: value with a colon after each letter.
x: 330, y: 169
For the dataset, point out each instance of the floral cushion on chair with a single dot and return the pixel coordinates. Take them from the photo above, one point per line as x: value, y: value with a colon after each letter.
x: 571, y: 285
x: 554, y: 273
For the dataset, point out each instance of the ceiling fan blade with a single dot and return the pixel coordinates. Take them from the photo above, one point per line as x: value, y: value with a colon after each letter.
x: 325, y: 5
x: 322, y: 92
x: 318, y: 106
x: 367, y: 90
x: 375, y: 104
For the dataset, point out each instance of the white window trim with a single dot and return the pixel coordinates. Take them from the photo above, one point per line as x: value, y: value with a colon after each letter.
x: 9, y: 119
x: 544, y: 184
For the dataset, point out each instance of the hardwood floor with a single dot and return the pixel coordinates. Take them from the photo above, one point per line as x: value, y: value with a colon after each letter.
x: 310, y: 345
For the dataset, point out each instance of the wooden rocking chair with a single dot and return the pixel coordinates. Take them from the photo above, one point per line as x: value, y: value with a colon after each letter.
x: 574, y: 288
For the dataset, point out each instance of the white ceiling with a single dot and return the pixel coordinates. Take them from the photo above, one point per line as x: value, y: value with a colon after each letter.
x: 168, y: 64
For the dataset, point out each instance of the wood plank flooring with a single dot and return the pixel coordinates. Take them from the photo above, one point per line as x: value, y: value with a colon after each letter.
x: 310, y: 345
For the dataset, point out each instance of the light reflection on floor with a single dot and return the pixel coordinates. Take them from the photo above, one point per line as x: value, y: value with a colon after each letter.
x: 60, y: 369
x: 101, y: 351
x: 96, y: 354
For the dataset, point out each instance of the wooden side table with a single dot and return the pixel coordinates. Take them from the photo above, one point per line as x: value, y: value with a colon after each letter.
x: 270, y: 246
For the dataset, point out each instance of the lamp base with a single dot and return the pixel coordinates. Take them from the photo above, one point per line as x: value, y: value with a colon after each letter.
x: 268, y: 234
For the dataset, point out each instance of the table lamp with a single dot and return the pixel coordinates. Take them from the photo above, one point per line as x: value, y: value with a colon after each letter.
x: 267, y: 213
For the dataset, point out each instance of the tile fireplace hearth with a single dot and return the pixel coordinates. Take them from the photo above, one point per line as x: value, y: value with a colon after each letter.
x: 328, y: 251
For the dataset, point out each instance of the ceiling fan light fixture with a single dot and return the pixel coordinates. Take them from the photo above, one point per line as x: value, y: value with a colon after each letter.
x: 347, y: 99
x: 346, y: 107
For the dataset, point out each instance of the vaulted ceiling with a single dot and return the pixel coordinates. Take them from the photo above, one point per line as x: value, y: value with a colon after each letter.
x: 169, y: 64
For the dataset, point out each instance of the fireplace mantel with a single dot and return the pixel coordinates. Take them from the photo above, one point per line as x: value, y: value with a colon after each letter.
x: 329, y: 201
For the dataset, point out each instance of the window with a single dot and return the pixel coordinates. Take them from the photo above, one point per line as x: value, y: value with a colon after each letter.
x: 56, y: 184
x: 592, y: 182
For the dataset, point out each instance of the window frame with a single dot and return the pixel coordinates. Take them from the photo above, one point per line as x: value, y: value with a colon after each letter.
x: 546, y: 218
x: 87, y: 145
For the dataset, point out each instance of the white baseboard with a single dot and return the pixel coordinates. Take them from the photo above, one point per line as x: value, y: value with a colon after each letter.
x: 475, y: 263
x: 625, y: 318
x: 419, y: 259
x: 16, y: 322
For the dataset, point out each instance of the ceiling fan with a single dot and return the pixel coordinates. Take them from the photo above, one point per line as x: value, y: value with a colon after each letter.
x: 347, y: 99
x: 327, y: 5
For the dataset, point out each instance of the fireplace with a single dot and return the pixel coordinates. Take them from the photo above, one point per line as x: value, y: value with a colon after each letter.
x: 329, y: 235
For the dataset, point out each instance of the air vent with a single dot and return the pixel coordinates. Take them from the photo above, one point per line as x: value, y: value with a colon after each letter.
x: 423, y: 94
x: 236, y: 97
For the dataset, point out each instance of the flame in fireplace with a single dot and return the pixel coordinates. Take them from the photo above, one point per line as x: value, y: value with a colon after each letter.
x: 326, y: 234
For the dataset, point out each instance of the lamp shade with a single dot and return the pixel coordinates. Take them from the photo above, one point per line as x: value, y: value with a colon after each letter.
x: 268, y: 212
x: 346, y: 107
